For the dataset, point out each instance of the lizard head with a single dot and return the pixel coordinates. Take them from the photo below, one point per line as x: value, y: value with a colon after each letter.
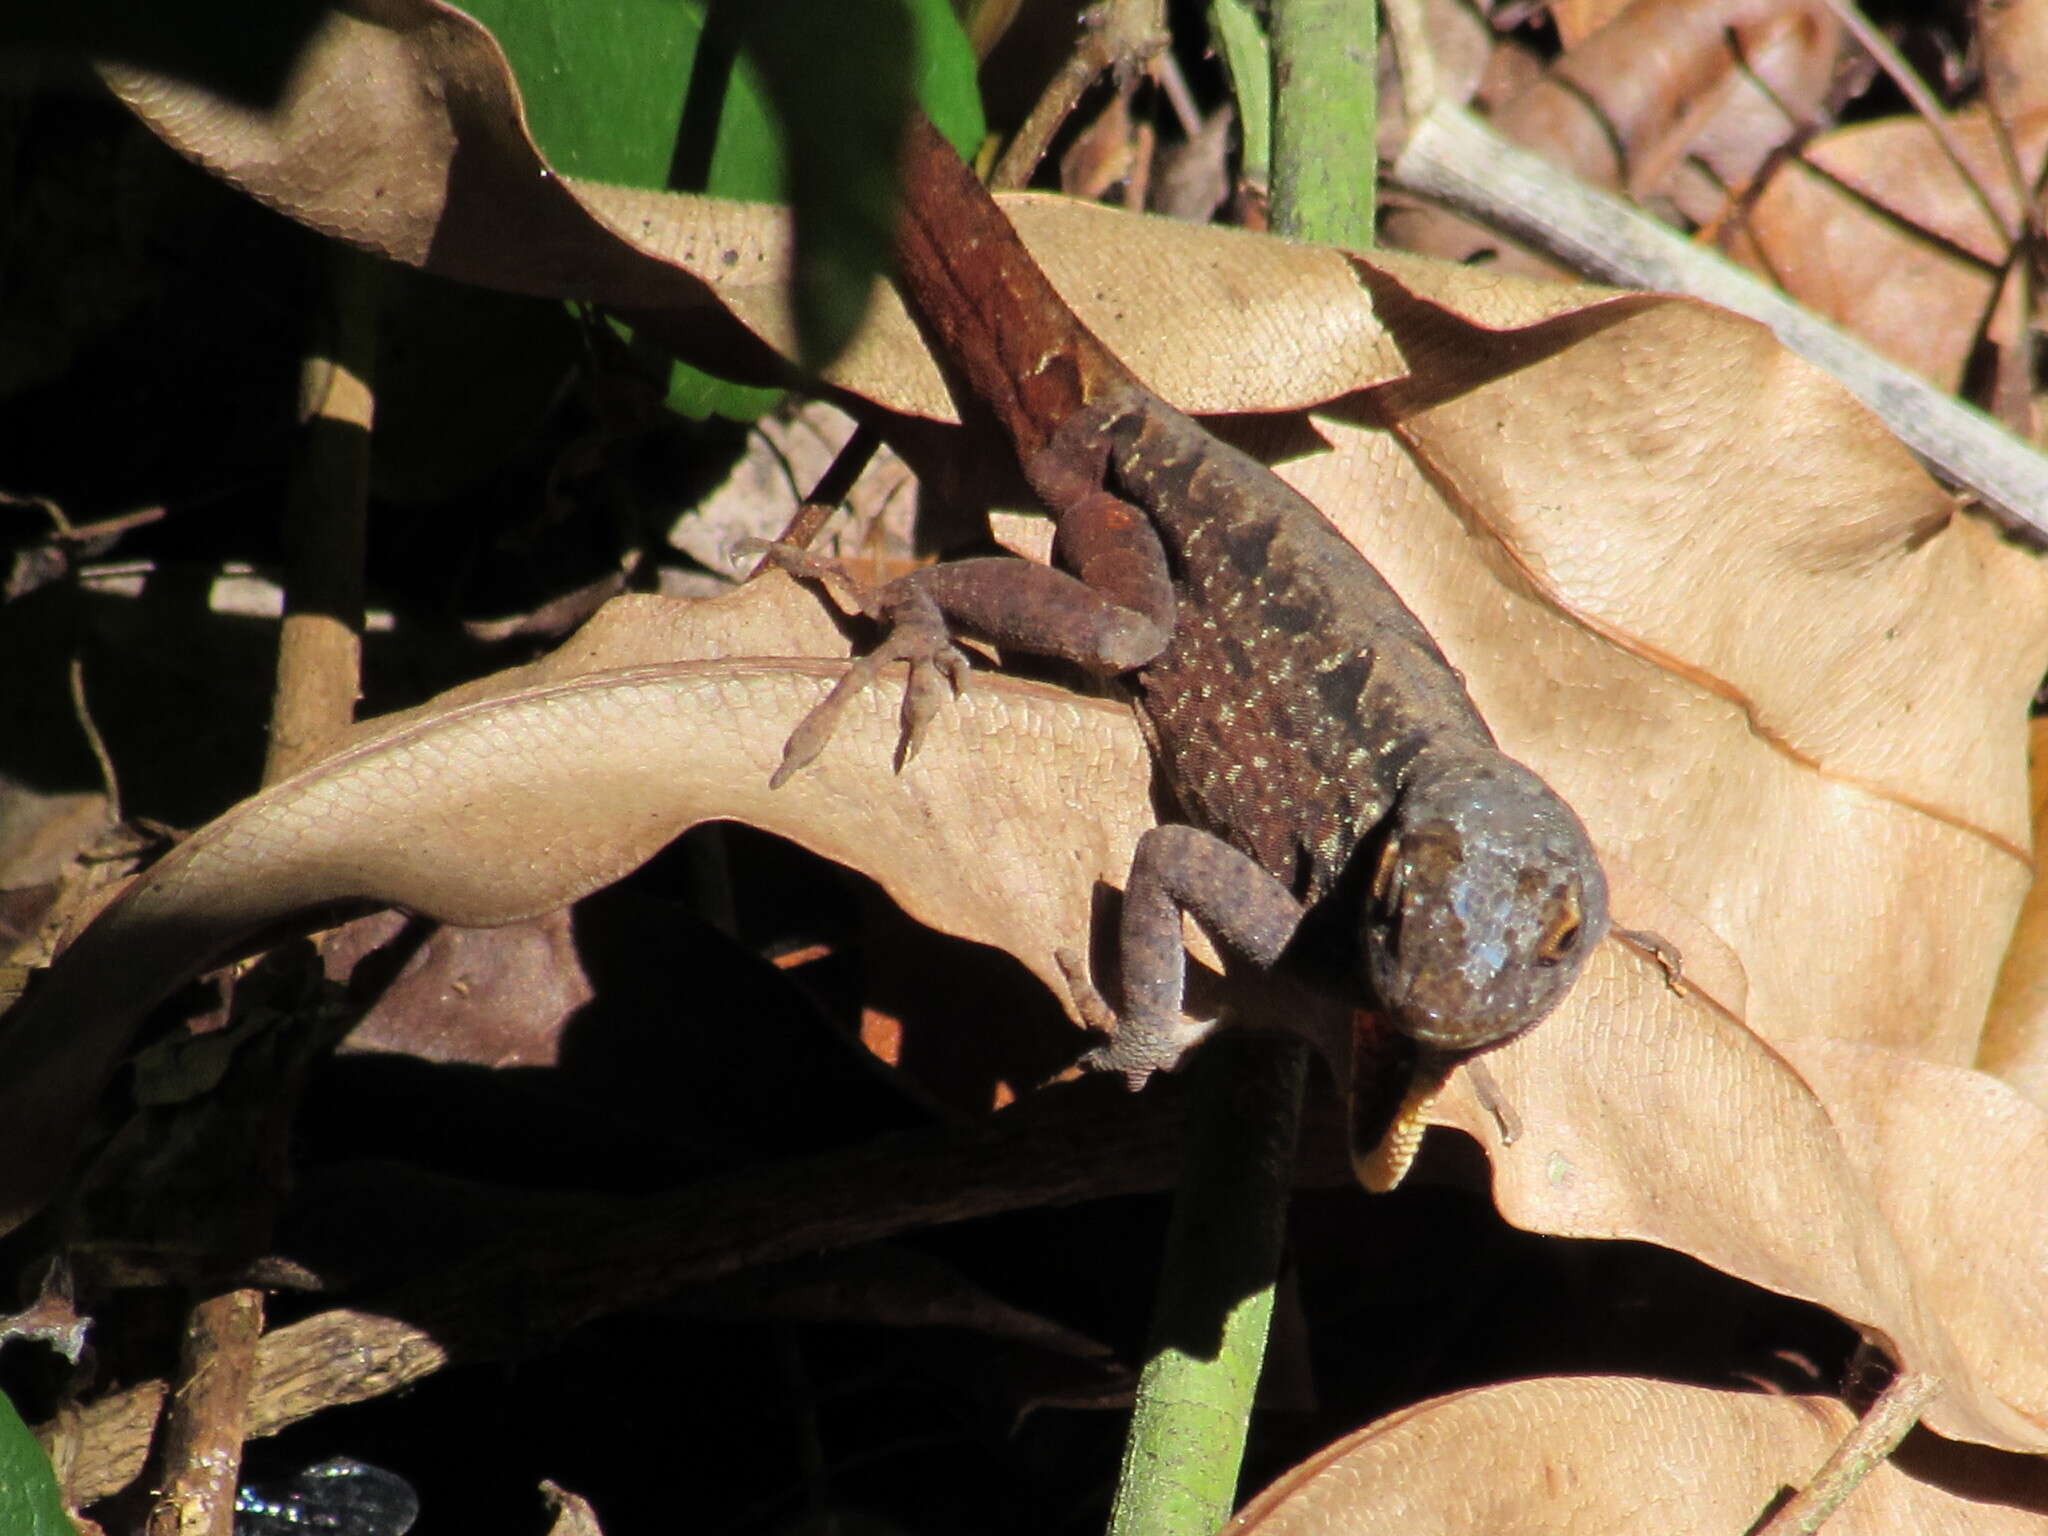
x: 1486, y: 898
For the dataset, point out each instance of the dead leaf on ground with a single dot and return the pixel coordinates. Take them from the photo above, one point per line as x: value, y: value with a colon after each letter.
x: 1875, y: 228
x: 1673, y: 101
x: 1607, y: 1454
x: 1687, y: 577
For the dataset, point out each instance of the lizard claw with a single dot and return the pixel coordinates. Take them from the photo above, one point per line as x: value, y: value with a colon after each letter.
x: 917, y: 635
x: 1137, y: 1046
x: 1143, y: 1046
x: 805, y: 566
x: 936, y: 674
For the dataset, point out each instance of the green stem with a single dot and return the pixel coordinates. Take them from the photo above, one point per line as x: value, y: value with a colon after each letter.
x: 1186, y: 1446
x: 1215, y: 1299
x: 1240, y: 41
x: 1324, y: 120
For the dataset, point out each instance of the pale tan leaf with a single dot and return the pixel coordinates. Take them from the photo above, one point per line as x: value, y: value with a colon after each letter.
x: 517, y: 795
x: 2015, y: 1045
x: 1955, y: 1159
x: 363, y: 147
x: 1791, y: 683
x: 1655, y: 1118
x: 1686, y: 576
x: 1575, y: 1456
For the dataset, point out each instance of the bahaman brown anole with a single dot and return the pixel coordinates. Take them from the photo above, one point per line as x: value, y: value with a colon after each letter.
x: 1347, y: 812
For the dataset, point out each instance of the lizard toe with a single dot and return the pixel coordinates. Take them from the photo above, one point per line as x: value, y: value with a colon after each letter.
x: 1143, y: 1046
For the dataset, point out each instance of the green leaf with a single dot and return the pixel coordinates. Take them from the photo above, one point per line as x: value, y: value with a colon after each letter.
x: 797, y: 101
x: 602, y: 80
x: 842, y: 77
x: 30, y: 1504
x: 243, y: 51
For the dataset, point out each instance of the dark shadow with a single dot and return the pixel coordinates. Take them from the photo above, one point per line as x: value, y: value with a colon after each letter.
x: 242, y: 49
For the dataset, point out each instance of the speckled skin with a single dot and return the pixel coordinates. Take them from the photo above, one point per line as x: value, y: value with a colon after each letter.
x: 1303, y: 714
x: 1307, y: 723
x: 1346, y: 801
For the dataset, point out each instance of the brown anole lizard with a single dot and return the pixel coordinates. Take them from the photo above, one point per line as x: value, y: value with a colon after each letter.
x: 1347, y: 810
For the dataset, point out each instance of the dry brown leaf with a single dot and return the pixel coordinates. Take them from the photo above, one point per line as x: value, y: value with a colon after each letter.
x: 363, y: 146
x: 489, y: 997
x: 1874, y: 228
x: 1665, y: 81
x: 1687, y: 577
x: 1659, y: 1120
x: 1677, y: 100
x: 1576, y: 1456
x: 1826, y: 676
x: 2014, y: 40
x: 519, y: 794
x: 2015, y: 1044
x: 1636, y: 1104
x: 1981, y: 1247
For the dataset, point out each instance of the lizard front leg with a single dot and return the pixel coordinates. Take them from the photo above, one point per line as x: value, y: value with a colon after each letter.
x: 1114, y: 614
x: 1175, y: 869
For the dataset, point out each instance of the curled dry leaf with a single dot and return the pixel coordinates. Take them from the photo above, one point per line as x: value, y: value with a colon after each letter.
x: 364, y: 146
x: 2015, y: 1045
x: 1688, y: 579
x: 1676, y: 101
x: 510, y: 797
x: 1606, y: 1454
x: 1875, y: 228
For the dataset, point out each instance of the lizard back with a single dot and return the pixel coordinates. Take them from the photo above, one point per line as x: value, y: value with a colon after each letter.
x: 1297, y: 687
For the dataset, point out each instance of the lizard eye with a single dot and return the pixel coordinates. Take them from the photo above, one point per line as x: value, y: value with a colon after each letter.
x: 1386, y: 879
x: 1561, y: 936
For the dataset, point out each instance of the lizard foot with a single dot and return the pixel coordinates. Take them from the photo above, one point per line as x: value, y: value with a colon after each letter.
x: 1664, y: 952
x: 805, y: 566
x: 1094, y: 1009
x: 1142, y: 1046
x: 917, y: 636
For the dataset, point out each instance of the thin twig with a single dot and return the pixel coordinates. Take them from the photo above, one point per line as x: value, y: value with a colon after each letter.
x: 107, y: 527
x: 1875, y: 1437
x: 1115, y: 34
x: 206, y: 1419
x: 96, y: 742
x: 2012, y: 393
x: 1414, y: 55
x: 1166, y: 74
x: 831, y: 491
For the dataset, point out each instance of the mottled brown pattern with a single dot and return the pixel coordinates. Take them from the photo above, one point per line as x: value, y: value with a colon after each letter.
x: 1299, y: 711
x: 1297, y: 686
